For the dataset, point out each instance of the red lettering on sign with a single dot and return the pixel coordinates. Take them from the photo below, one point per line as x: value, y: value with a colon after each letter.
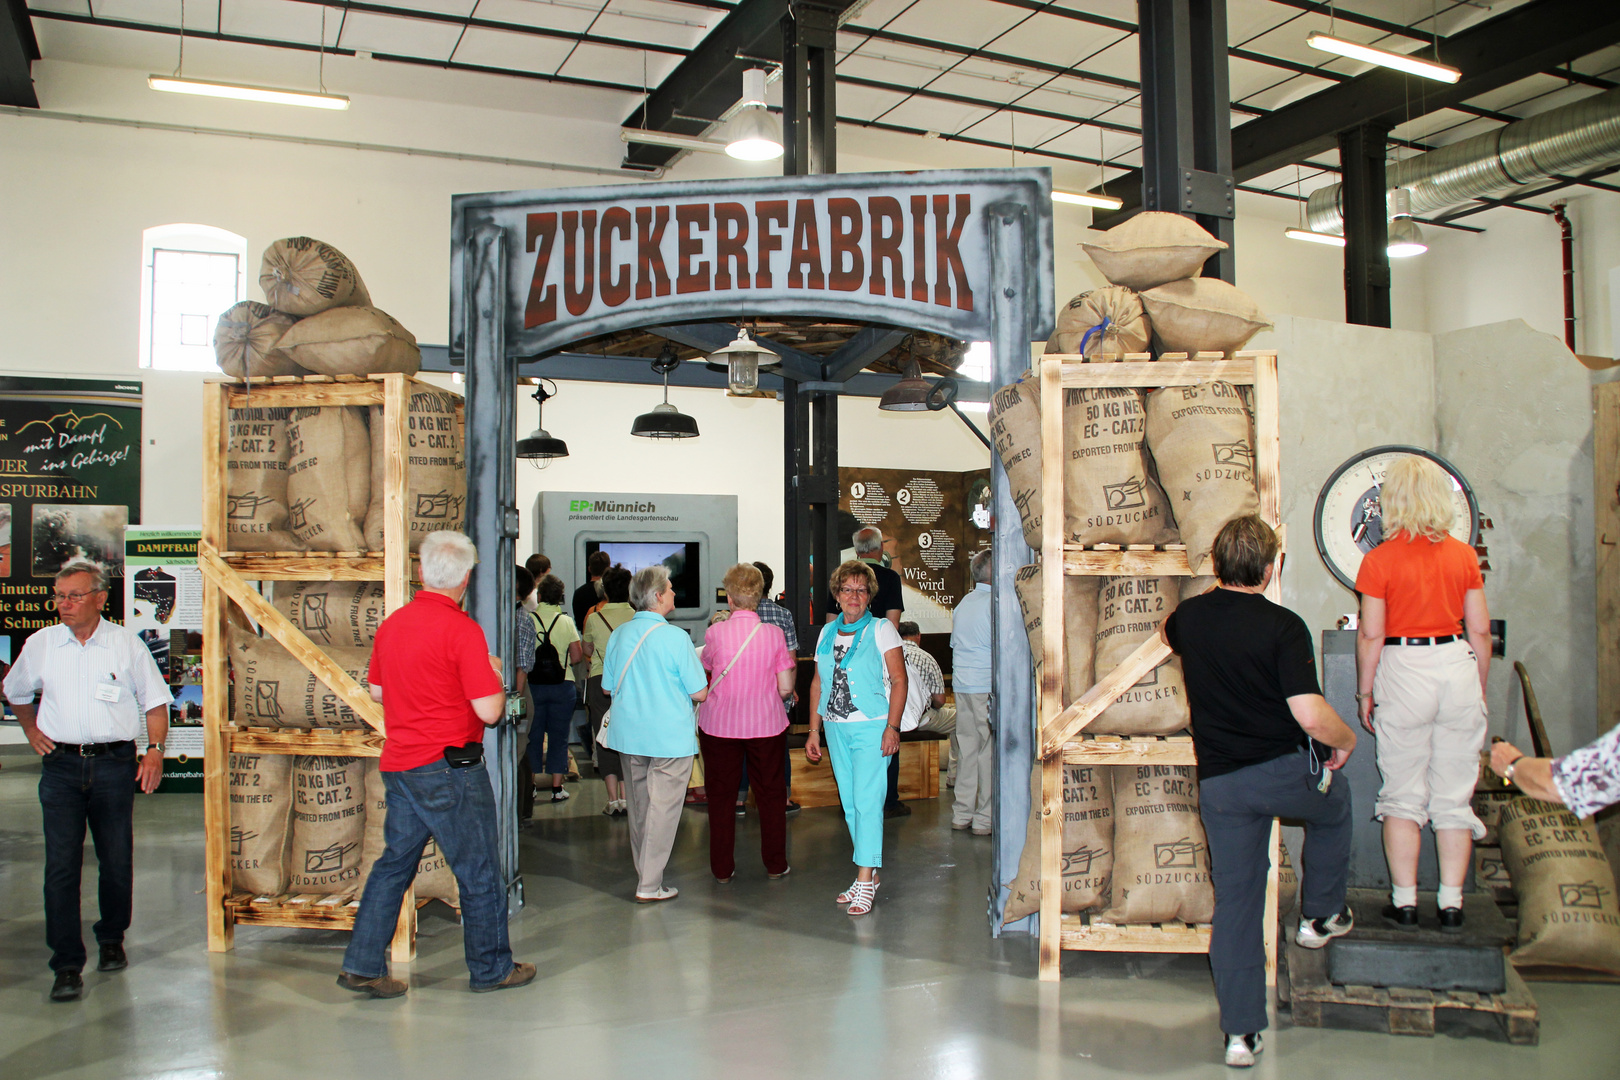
x: 730, y: 245
x: 615, y: 285
x: 651, y: 221
x: 542, y: 305
x: 919, y: 249
x: 845, y: 215
x: 806, y: 247
x: 887, y: 265
x: 579, y: 298
x: 688, y: 217
x: 769, y: 210
x: 947, y: 251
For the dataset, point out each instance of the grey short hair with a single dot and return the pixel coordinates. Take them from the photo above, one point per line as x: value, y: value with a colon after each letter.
x: 646, y: 585
x: 980, y: 566
x: 447, y: 557
x: 98, y: 573
x: 867, y: 541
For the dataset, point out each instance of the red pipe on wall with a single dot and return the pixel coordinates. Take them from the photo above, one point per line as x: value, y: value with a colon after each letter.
x: 1568, y: 235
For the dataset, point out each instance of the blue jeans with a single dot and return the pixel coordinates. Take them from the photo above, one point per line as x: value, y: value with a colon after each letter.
x: 98, y: 791
x: 1237, y: 808
x: 457, y: 808
x: 553, y: 712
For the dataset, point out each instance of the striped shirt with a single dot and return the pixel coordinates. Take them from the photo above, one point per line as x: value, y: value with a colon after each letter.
x: 66, y: 676
x: 745, y: 704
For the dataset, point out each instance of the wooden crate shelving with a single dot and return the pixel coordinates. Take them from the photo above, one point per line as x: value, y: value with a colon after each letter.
x: 1061, y: 729
x: 226, y: 582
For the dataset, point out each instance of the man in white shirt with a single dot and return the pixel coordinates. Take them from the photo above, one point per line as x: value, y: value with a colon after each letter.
x: 971, y: 638
x: 79, y: 689
x: 925, y: 693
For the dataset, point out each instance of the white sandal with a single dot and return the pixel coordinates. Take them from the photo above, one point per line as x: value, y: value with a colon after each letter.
x: 862, y: 895
x: 850, y: 893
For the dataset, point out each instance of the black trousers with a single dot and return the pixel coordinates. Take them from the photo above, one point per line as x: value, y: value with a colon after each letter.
x: 74, y: 792
x: 1237, y: 809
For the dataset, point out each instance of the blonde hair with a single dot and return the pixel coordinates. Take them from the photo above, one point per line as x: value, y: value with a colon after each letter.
x: 744, y: 586
x: 1416, y: 499
x: 854, y: 568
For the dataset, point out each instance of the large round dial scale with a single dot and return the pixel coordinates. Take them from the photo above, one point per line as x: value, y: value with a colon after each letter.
x: 1349, y: 517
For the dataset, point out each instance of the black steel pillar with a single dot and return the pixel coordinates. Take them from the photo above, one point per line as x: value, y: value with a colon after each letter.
x: 1186, y: 118
x: 1366, y: 224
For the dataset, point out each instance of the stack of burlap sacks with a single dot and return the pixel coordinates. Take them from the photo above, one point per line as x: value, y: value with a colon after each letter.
x: 1167, y: 466
x: 306, y: 823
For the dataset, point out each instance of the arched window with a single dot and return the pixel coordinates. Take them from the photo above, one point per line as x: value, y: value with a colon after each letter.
x: 189, y: 275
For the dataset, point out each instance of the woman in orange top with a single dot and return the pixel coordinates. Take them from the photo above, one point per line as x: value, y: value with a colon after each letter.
x: 1422, y: 655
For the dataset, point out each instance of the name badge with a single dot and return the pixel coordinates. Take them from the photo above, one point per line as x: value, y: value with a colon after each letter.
x: 108, y: 691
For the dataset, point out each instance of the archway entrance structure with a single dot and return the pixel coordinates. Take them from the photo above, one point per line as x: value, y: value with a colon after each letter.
x: 963, y: 254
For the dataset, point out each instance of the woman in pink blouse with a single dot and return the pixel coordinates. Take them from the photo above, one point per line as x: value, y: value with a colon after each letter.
x: 751, y: 673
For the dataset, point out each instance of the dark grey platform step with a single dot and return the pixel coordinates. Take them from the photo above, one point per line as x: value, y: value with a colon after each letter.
x: 1378, y: 954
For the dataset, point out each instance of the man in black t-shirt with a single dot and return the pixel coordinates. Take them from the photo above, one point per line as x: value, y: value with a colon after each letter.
x: 888, y: 601
x: 589, y: 594
x: 1268, y: 746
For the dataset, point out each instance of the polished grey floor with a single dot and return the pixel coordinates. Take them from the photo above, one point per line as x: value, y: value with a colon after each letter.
x: 756, y: 979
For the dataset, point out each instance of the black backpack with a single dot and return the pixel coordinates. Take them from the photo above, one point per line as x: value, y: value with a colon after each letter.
x: 548, y: 668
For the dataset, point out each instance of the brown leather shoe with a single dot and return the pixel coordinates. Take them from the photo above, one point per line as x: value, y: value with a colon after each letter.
x: 380, y: 987
x: 521, y: 975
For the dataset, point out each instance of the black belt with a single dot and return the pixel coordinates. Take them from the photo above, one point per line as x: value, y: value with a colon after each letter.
x: 1446, y: 640
x: 94, y: 749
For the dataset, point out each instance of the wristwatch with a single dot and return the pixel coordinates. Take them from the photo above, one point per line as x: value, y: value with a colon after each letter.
x: 159, y: 747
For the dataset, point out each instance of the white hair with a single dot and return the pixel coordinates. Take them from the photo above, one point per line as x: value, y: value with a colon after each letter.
x: 980, y: 565
x: 98, y: 574
x: 867, y: 541
x: 447, y: 558
x: 646, y: 586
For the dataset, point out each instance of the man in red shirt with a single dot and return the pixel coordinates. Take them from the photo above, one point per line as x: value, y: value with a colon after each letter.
x: 442, y: 688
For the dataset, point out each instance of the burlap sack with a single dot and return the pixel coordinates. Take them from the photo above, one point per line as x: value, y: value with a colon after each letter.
x: 261, y: 800
x: 1197, y: 586
x: 1161, y: 859
x: 435, y: 468
x: 271, y: 689
x: 1152, y: 248
x: 1203, y: 315
x: 1079, y: 625
x: 1127, y: 331
x: 301, y: 276
x: 328, y: 824
x: 1287, y: 883
x: 1129, y: 610
x: 357, y: 464
x: 1088, y: 840
x: 351, y: 341
x: 1568, y: 916
x: 345, y: 614
x: 319, y: 442
x: 256, y: 510
x: 434, y: 878
x: 1015, y: 429
x: 1200, y: 441
x: 1110, y: 495
x: 1487, y: 806
x: 245, y: 338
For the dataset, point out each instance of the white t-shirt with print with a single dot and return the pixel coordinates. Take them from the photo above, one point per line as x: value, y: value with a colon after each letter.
x: 840, y: 703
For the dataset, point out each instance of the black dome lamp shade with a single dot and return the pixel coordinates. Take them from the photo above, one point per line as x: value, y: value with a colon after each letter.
x: 665, y: 421
x: 910, y: 394
x: 540, y: 446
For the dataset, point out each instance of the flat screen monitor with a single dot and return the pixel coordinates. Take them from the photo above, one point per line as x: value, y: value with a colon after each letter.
x: 679, y: 558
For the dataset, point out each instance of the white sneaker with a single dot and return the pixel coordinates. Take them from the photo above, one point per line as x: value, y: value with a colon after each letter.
x: 1241, y: 1050
x: 1316, y: 933
x: 665, y: 892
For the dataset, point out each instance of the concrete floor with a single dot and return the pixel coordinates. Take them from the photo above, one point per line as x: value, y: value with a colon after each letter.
x: 758, y: 979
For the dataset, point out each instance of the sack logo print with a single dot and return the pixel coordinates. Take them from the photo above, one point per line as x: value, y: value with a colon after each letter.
x: 313, y: 615
x: 1079, y: 861
x: 245, y: 507
x: 1126, y: 495
x: 1587, y: 894
x: 266, y: 698
x: 1233, y: 453
x: 437, y: 505
x: 327, y: 860
x: 1177, y: 855
x: 239, y: 837
x: 296, y: 514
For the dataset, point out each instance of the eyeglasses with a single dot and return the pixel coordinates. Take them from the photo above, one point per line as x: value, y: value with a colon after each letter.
x: 74, y: 597
x: 849, y: 590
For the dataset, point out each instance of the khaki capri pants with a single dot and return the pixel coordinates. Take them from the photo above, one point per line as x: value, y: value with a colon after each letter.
x: 1429, y: 716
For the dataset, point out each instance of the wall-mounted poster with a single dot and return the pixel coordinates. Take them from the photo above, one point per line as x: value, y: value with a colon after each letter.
x: 70, y: 482
x: 163, y: 590
x: 932, y: 522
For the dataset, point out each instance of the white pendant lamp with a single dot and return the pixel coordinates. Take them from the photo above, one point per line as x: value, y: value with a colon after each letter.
x: 753, y: 134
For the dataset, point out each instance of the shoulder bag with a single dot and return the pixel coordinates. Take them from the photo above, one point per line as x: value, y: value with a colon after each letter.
x: 607, y: 715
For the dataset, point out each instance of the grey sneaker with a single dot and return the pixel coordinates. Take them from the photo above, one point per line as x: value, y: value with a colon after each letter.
x: 1242, y: 1049
x: 1315, y: 933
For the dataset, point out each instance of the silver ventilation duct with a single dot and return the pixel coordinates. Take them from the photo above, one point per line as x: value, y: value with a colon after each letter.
x: 1563, y: 140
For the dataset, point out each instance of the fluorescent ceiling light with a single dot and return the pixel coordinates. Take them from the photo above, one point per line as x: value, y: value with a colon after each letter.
x: 1101, y: 202
x: 1384, y: 58
x: 675, y: 142
x: 1314, y: 237
x: 175, y: 85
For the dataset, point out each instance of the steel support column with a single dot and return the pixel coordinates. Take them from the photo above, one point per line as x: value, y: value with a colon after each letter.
x: 1366, y: 224
x: 492, y: 517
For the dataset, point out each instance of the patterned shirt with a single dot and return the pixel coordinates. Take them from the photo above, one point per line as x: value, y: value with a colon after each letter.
x: 923, y: 680
x: 525, y: 641
x: 1589, y: 778
x: 773, y: 614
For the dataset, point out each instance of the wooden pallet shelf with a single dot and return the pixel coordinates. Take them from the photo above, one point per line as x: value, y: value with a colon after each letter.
x: 326, y: 741
x: 1062, y: 739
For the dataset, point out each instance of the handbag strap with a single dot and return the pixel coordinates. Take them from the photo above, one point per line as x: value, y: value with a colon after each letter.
x: 736, y: 655
x: 626, y: 669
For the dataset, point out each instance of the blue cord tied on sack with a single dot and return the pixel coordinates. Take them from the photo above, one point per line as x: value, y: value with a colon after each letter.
x: 1095, y: 331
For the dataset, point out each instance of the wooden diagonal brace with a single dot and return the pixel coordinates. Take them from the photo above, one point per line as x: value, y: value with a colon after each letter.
x: 356, y: 697
x: 1071, y: 721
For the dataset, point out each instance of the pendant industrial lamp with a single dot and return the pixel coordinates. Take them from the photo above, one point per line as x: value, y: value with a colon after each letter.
x: 742, y: 362
x: 665, y: 421
x: 753, y: 134
x: 1405, y: 238
x: 910, y: 394
x: 540, y: 446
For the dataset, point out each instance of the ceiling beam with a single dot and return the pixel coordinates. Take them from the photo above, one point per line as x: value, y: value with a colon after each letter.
x: 869, y: 343
x: 1046, y: 7
x: 18, y: 50
x: 525, y: 29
